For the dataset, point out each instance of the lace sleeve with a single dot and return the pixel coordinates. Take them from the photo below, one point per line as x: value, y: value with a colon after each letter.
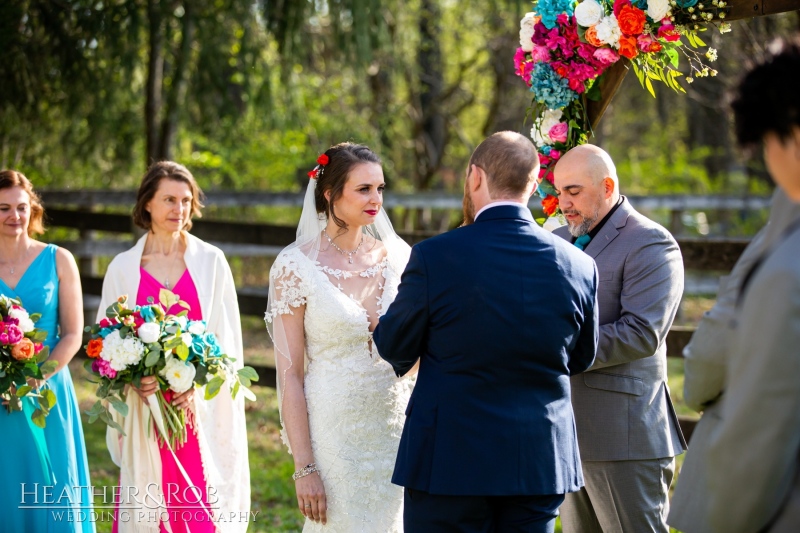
x: 291, y: 287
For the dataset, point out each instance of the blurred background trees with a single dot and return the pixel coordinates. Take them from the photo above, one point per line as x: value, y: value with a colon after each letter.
x: 248, y: 93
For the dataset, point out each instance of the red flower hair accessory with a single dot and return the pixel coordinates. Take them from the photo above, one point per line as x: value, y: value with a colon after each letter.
x: 322, y: 160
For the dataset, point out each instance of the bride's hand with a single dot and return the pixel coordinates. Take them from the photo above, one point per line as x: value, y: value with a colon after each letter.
x: 311, y: 498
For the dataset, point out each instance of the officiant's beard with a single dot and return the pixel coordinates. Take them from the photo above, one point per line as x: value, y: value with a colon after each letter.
x: 586, y: 223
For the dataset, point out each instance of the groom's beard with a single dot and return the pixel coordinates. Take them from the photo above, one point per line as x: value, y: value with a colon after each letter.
x: 468, y: 208
x: 578, y: 229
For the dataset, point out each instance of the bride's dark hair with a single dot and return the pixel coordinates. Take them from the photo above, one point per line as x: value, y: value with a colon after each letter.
x: 342, y: 158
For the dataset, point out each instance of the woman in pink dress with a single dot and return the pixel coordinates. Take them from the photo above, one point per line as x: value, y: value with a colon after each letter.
x: 203, y: 485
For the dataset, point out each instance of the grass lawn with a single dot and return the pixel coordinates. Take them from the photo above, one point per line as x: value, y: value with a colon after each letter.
x: 270, y: 465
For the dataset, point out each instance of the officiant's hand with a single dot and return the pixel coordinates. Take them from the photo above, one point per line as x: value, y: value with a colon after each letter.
x: 147, y: 387
x: 311, y: 497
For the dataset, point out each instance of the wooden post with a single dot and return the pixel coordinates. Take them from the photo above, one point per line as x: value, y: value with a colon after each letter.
x: 87, y: 264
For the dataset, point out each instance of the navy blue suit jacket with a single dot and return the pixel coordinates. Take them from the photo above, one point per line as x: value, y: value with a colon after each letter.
x: 500, y: 313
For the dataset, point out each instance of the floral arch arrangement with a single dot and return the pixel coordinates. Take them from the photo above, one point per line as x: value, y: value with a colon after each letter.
x: 567, y: 46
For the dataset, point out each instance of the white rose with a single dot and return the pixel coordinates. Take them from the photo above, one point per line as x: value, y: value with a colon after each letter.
x: 526, y: 32
x: 588, y: 13
x: 149, y: 332
x: 24, y: 321
x: 553, y: 223
x: 197, y: 328
x: 608, y: 31
x: 186, y: 338
x: 121, y: 352
x: 181, y: 321
x: 657, y: 9
x: 179, y: 374
x: 542, y: 126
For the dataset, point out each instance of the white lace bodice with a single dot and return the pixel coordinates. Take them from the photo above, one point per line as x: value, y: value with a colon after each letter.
x: 355, y: 402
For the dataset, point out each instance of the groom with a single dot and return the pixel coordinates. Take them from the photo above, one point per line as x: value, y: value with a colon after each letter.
x: 499, y: 315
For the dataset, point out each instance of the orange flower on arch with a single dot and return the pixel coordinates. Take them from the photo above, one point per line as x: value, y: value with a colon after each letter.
x: 591, y: 37
x: 628, y: 47
x: 631, y: 20
x: 550, y: 205
x: 94, y: 348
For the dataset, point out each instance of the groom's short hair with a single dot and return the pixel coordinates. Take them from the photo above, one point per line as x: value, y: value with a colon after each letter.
x: 510, y: 161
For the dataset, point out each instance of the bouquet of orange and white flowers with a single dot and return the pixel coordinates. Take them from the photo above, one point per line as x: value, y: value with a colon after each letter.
x: 131, y: 343
x: 22, y: 356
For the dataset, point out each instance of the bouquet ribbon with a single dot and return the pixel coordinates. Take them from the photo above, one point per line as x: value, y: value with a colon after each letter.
x: 39, y: 441
x: 152, y: 403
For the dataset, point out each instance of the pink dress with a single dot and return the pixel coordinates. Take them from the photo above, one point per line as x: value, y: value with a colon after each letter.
x: 184, y: 511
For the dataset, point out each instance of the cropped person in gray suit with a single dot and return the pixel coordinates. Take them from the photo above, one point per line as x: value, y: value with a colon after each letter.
x: 753, y: 456
x: 705, y: 362
x: 628, y: 432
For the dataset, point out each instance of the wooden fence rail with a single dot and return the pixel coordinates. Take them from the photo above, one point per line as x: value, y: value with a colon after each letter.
x: 698, y: 254
x: 266, y: 239
x: 87, y: 199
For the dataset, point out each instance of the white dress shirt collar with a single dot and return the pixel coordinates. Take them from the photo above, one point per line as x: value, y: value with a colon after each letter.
x: 497, y: 204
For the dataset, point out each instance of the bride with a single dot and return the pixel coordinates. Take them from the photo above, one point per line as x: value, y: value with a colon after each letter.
x: 342, y: 408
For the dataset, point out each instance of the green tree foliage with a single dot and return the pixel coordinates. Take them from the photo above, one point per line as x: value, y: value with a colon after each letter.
x: 248, y: 93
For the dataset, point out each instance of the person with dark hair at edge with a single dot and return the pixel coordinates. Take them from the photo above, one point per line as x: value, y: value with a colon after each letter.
x: 752, y: 457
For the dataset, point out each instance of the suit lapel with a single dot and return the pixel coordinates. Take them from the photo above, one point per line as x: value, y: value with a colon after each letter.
x: 610, y: 230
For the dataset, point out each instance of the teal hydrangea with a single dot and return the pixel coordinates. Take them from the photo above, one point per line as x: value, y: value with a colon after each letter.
x: 549, y: 88
x: 549, y: 10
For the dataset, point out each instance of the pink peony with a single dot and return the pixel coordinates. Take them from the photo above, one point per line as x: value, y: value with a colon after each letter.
x: 103, y: 367
x: 106, y: 323
x: 559, y: 133
x: 14, y: 334
x: 540, y: 53
x: 550, y: 176
x: 555, y: 155
x: 544, y: 160
x: 667, y: 31
x: 4, y: 339
x: 38, y: 347
x: 648, y: 44
x: 606, y: 56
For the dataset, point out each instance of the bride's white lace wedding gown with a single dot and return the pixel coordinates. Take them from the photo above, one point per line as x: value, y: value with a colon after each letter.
x: 355, y: 402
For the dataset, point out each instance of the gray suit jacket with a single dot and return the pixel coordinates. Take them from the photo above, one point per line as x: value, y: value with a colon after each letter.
x: 705, y: 360
x: 752, y: 456
x: 622, y: 405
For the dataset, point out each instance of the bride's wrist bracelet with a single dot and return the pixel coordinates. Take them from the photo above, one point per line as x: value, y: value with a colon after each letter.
x: 305, y: 471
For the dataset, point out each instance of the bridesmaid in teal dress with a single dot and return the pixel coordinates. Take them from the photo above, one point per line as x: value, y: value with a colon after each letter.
x: 45, y: 278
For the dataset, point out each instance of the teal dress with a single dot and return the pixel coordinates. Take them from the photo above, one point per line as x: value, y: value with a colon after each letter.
x: 66, y: 507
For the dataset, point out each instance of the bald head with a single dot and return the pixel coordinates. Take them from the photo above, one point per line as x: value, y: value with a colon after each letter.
x: 586, y: 180
x: 592, y: 161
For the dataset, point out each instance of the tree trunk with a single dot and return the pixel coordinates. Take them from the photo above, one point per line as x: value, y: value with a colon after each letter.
x: 431, y: 137
x: 155, y: 76
x: 177, y: 92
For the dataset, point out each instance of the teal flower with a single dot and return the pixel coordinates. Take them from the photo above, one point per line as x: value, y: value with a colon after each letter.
x: 549, y: 88
x: 549, y: 10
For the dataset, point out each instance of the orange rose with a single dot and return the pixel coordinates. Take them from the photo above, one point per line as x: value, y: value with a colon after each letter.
x: 23, y: 350
x: 94, y: 348
x: 591, y: 37
x: 550, y: 205
x: 631, y: 20
x: 627, y: 47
